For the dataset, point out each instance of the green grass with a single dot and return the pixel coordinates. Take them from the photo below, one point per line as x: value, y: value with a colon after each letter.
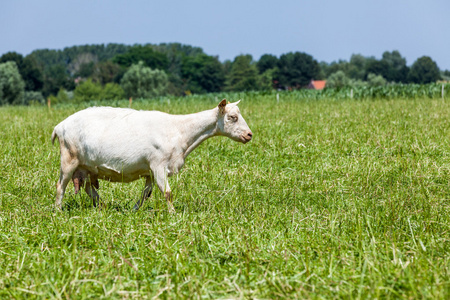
x: 331, y: 199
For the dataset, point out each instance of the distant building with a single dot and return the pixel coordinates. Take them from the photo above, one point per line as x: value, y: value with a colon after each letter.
x: 317, y: 84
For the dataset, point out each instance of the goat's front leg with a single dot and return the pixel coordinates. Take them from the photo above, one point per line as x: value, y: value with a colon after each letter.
x: 162, y: 181
x: 146, y: 193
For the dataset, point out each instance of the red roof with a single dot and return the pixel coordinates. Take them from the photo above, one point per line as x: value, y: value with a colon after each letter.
x: 317, y: 84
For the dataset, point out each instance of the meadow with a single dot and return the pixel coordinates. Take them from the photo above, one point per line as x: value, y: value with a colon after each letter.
x: 333, y: 198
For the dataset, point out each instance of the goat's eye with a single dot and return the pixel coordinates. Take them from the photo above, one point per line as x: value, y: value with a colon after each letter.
x: 233, y: 118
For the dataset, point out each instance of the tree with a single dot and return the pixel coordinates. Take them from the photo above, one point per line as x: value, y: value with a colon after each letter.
x: 28, y: 69
x: 149, y: 57
x: 61, y: 97
x: 297, y: 69
x: 397, y: 69
x: 424, y: 70
x: 267, y: 62
x: 204, y: 73
x: 394, y: 59
x: 12, y: 86
x: 378, y: 67
x: 445, y: 75
x: 375, y: 80
x: 56, y: 77
x: 266, y: 79
x: 143, y: 82
x: 85, y: 70
x: 32, y: 98
x: 356, y: 67
x: 82, y: 65
x: 107, y: 71
x: 338, y: 80
x: 333, y: 67
x: 12, y: 56
x: 87, y: 90
x: 243, y: 75
x: 31, y: 74
x: 113, y: 91
x: 175, y: 52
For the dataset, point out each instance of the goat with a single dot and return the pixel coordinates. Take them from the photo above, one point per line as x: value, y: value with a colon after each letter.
x: 123, y: 145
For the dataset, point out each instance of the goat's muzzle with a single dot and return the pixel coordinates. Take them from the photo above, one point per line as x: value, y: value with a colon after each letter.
x: 247, y: 137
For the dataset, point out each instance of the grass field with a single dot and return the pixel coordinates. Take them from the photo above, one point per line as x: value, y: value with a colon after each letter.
x: 331, y: 199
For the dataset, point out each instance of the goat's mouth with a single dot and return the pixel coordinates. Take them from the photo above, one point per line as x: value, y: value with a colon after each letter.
x: 245, y: 139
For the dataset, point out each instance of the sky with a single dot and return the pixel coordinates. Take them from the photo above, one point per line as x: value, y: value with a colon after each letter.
x: 328, y: 30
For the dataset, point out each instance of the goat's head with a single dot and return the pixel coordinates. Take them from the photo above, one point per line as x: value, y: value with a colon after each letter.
x: 232, y: 124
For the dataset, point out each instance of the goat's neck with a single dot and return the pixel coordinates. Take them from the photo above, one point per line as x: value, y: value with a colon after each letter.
x: 195, y: 128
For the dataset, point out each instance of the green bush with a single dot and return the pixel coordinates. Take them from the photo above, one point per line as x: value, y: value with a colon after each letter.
x: 143, y: 82
x: 89, y: 90
x: 61, y: 97
x: 33, y: 98
x: 12, y: 85
x: 338, y: 80
x: 375, y: 80
x: 112, y: 91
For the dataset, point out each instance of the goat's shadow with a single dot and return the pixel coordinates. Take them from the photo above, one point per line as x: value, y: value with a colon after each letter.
x: 75, y: 202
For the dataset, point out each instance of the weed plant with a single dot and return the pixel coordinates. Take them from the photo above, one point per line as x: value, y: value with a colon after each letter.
x: 331, y: 199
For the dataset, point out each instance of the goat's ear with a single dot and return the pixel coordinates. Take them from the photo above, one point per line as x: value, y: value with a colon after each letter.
x: 234, y: 103
x: 222, y: 105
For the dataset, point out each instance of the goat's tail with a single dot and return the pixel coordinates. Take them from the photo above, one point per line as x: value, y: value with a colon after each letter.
x: 54, y: 136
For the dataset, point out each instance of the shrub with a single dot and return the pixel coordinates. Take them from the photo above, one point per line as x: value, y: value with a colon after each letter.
x: 143, y: 82
x: 12, y: 85
x: 63, y: 96
x: 89, y: 90
x: 113, y: 91
x: 33, y: 98
x: 375, y: 80
x: 338, y: 80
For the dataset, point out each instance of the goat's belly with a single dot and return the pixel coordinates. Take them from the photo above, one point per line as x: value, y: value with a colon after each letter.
x: 113, y: 175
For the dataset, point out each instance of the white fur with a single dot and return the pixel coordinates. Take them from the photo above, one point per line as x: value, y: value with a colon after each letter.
x: 123, y: 145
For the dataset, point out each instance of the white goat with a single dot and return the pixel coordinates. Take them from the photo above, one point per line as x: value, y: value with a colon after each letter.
x: 123, y: 145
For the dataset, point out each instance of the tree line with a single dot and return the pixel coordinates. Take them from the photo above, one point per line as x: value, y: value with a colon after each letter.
x: 116, y: 71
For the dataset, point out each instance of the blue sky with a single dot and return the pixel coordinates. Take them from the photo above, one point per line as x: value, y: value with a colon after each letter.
x: 328, y: 30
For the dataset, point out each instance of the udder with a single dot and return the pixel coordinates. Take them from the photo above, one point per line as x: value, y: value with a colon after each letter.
x: 80, y: 176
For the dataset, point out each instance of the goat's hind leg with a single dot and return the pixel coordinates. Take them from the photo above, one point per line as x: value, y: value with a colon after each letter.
x: 61, y: 185
x: 68, y: 166
x: 146, y: 193
x: 91, y: 187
